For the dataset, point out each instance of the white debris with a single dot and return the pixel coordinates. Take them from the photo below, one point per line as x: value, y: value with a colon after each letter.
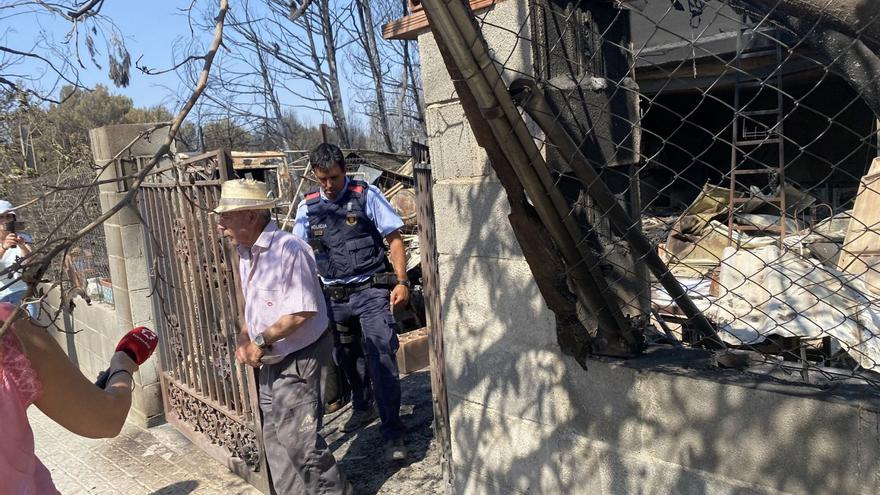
x: 765, y: 291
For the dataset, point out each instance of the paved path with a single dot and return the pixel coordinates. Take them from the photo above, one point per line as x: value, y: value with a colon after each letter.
x: 138, y: 461
x: 160, y: 461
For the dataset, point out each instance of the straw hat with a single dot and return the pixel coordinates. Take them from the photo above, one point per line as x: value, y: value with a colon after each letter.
x: 244, y: 194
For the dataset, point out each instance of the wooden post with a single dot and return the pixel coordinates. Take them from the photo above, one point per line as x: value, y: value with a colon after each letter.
x: 323, y: 133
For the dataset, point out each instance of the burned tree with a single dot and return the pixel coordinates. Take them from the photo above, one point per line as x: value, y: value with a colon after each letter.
x: 38, y: 267
x: 366, y: 38
x: 287, y: 57
x: 387, y: 76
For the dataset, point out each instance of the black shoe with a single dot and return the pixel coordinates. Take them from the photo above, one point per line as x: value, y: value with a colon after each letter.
x: 333, y: 406
x: 396, y: 451
x: 360, y: 418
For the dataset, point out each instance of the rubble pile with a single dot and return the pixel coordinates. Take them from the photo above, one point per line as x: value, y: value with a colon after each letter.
x: 815, y: 287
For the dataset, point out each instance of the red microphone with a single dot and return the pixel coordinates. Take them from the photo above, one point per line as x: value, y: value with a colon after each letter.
x: 139, y: 344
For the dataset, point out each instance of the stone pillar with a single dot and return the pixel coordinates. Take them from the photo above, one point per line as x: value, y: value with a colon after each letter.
x: 126, y: 250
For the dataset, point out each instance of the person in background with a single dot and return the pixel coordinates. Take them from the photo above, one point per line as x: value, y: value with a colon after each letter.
x: 35, y: 370
x: 14, y: 245
x: 347, y: 223
x: 283, y: 334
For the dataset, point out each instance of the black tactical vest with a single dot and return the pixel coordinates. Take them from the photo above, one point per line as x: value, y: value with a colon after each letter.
x: 345, y: 241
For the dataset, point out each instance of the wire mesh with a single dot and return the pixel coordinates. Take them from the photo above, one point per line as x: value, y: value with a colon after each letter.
x: 55, y: 216
x: 740, y: 138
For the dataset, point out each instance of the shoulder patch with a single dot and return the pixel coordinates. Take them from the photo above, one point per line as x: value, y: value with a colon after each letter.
x: 355, y: 187
x: 312, y: 195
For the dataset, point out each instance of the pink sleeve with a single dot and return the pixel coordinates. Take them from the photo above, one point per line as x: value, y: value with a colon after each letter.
x: 20, y: 469
x: 14, y: 365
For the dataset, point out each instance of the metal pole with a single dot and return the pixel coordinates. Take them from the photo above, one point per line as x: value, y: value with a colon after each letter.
x: 453, y: 24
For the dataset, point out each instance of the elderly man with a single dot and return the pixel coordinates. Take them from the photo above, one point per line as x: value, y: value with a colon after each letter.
x: 346, y: 223
x: 284, y: 334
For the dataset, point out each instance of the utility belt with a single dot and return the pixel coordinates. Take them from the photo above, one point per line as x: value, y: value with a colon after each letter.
x: 343, y: 292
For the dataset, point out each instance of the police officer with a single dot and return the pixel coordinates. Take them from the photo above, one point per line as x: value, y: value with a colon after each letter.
x: 347, y: 223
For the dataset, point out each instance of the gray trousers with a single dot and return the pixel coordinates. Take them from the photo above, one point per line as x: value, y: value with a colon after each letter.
x: 290, y: 398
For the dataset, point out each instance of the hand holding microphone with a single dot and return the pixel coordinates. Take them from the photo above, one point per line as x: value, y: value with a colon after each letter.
x: 138, y: 344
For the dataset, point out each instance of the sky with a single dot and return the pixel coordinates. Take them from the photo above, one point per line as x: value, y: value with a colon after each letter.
x: 151, y: 30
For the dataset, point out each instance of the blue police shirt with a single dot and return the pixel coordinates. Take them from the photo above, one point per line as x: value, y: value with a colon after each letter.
x: 378, y: 209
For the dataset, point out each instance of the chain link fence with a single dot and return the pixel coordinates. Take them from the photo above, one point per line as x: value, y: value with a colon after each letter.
x: 705, y: 169
x: 54, y: 216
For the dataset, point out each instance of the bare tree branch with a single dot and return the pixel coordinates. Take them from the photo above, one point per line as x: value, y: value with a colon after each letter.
x: 152, y: 72
x: 86, y: 9
x: 35, y: 269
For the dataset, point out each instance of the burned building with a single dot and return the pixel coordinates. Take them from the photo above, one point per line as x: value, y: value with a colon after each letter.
x: 706, y: 97
x: 724, y: 90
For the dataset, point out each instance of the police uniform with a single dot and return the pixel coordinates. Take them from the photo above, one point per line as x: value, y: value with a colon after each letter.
x: 347, y: 235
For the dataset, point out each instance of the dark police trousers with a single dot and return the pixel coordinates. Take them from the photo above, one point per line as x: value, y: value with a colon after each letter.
x: 372, y: 308
x: 290, y: 398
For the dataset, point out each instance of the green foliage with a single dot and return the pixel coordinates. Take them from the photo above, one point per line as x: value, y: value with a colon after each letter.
x: 57, y: 135
x: 41, y: 140
x: 82, y: 110
x: 148, y: 115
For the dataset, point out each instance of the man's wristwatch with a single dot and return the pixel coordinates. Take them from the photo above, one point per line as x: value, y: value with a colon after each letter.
x: 260, y: 341
x: 405, y: 283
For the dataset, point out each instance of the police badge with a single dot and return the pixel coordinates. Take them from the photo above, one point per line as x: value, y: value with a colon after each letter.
x: 351, y: 219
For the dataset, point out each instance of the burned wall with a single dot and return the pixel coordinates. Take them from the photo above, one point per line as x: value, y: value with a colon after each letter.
x: 687, y: 138
x: 526, y: 418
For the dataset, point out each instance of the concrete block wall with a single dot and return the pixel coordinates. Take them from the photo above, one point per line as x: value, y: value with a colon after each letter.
x: 525, y: 418
x: 88, y: 337
x: 101, y: 325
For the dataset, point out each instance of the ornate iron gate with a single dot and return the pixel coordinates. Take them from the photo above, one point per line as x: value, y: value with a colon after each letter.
x: 207, y: 395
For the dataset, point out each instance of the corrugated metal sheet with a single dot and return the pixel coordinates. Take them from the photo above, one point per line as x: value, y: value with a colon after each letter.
x: 765, y: 291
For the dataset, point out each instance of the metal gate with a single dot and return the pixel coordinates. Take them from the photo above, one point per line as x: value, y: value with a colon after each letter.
x: 206, y: 394
x: 424, y: 184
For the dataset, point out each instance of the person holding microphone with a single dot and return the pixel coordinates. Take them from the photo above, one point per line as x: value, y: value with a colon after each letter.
x: 35, y: 370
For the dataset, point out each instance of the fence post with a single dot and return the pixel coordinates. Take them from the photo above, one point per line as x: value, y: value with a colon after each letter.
x: 431, y: 290
x: 127, y: 254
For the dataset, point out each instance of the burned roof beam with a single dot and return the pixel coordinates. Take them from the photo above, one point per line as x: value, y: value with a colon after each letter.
x: 842, y: 40
x: 858, y: 19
